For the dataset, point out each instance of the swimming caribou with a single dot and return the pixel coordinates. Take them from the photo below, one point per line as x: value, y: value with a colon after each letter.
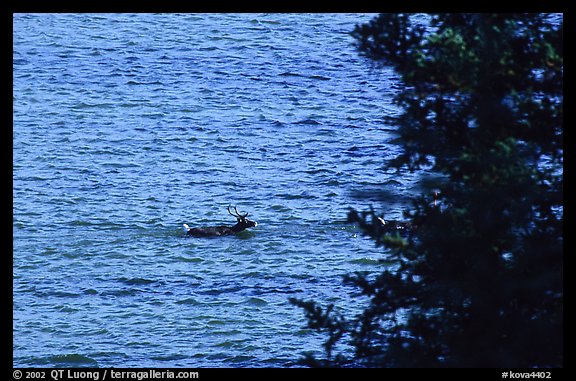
x: 214, y: 231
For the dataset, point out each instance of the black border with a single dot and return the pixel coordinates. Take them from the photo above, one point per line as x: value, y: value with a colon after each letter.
x: 313, y: 6
x: 171, y: 6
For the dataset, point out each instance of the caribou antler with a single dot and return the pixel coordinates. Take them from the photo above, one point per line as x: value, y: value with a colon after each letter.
x: 243, y: 216
x: 237, y: 215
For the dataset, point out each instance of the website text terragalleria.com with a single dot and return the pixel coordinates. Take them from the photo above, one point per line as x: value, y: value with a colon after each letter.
x: 146, y: 374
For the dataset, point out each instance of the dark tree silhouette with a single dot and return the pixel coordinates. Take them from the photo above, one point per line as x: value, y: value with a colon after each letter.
x: 478, y: 281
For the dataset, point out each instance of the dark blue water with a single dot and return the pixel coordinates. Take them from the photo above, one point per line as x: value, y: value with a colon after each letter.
x: 127, y: 126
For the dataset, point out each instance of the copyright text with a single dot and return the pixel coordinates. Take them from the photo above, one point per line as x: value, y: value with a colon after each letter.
x: 104, y: 374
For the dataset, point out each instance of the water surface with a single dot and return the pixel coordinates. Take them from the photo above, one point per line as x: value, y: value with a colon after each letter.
x: 127, y: 126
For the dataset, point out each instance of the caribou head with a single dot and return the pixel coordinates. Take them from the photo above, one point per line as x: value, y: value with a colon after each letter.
x: 243, y: 223
x: 211, y: 231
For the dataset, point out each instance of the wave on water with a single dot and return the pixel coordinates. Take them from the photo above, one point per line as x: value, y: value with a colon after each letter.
x: 121, y: 137
x: 65, y: 360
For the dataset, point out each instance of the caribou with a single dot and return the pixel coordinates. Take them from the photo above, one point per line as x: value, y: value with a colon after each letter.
x: 214, y: 231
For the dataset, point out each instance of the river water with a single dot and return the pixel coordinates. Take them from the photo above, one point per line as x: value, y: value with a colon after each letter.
x: 126, y: 126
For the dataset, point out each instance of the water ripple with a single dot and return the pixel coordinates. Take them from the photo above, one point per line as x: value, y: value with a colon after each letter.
x: 128, y: 125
